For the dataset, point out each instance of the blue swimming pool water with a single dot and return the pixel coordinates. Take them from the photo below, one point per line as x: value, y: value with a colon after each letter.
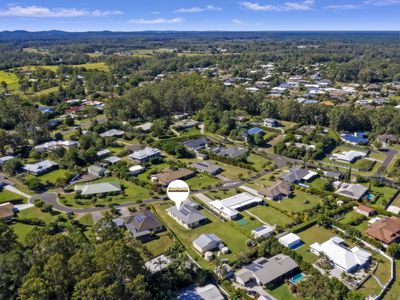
x: 296, y: 278
x: 370, y: 197
x: 243, y: 222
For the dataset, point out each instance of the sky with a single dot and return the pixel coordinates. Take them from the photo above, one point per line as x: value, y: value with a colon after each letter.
x: 199, y: 15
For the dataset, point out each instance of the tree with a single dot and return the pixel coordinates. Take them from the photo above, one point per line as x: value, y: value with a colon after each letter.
x: 12, y: 269
x: 394, y: 250
x: 34, y: 184
x: 12, y: 166
x: 35, y: 288
x: 8, y: 239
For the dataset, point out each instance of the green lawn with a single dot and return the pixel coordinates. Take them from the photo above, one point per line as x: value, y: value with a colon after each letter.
x: 312, y: 235
x: 145, y: 176
x: 86, y: 219
x: 233, y: 234
x: 22, y: 230
x: 394, y: 291
x: 189, y: 132
x: 221, y: 194
x: 233, y: 172
x: 296, y: 203
x: 282, y: 293
x: 51, y: 176
x: 258, y: 162
x: 350, y: 217
x: 6, y: 196
x: 201, y: 180
x: 271, y: 216
x: 35, y: 212
x: 8, y: 77
x: 160, y: 244
x: 386, y: 193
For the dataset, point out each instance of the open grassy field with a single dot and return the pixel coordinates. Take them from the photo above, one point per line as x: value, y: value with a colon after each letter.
x: 233, y: 172
x: 51, y: 176
x: 282, y: 292
x: 101, y: 66
x: 233, y: 234
x: 221, y: 194
x: 270, y: 215
x: 6, y: 196
x: 298, y: 202
x: 258, y: 162
x: 8, y: 77
x: 22, y: 230
x: 394, y: 291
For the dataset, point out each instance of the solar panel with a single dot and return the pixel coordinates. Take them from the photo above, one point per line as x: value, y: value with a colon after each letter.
x: 139, y: 218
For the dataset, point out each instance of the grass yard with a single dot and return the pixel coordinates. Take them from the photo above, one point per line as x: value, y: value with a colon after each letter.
x: 221, y: 194
x: 100, y: 66
x: 201, y: 181
x: 52, y: 176
x: 145, y: 176
x: 35, y: 212
x: 8, y: 77
x: 394, y: 291
x: 46, y: 92
x: 297, y: 203
x: 370, y: 287
x: 319, y: 183
x: 86, y: 219
x: 258, y: 162
x: 189, y: 132
x: 282, y: 292
x: 233, y: 172
x: 386, y: 193
x: 22, y: 230
x: 350, y: 217
x: 232, y: 233
x: 6, y: 196
x: 312, y: 235
x: 271, y: 216
x: 160, y: 244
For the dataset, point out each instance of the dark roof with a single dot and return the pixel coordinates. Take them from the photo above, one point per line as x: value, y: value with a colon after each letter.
x: 233, y: 152
x: 167, y: 177
x: 196, y: 143
x: 143, y: 220
x: 279, y: 188
x: 295, y: 174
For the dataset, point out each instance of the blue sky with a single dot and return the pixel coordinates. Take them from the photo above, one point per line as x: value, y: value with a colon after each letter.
x: 137, y: 15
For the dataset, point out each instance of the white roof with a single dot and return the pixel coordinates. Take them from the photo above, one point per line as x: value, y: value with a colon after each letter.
x: 42, y: 165
x: 112, y: 159
x: 342, y: 256
x: 146, y: 152
x: 136, y: 168
x: 52, y: 144
x: 289, y: 238
x: 231, y: 205
x: 348, y: 155
x: 262, y: 230
x: 310, y: 175
x: 393, y: 209
x: 5, y: 158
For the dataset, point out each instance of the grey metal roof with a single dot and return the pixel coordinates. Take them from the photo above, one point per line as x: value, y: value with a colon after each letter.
x: 99, y: 188
x: 294, y: 175
x: 187, y: 214
x: 206, y: 167
x: 196, y: 144
x: 230, y: 152
x: 206, y: 239
x: 274, y: 268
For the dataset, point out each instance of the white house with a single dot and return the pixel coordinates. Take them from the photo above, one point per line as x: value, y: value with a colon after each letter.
x: 349, y: 260
x: 229, y: 208
x: 207, y: 242
x: 137, y: 169
x: 145, y: 155
x: 271, y: 122
x: 263, y: 231
x: 40, y: 167
x: 290, y: 240
x: 348, y: 156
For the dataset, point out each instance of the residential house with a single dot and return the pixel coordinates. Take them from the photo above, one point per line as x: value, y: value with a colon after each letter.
x: 263, y: 271
x: 348, y: 156
x: 142, y: 223
x: 187, y: 215
x: 386, y: 230
x: 186, y: 124
x: 356, y: 138
x: 166, y: 177
x: 96, y: 170
x: 46, y: 109
x: 103, y: 153
x: 99, y: 188
x: 290, y: 240
x: 346, y: 259
x: 145, y: 127
x: 197, y: 144
x: 145, y: 155
x: 229, y: 208
x: 40, y: 167
x: 298, y: 175
x: 231, y: 152
x: 207, y: 292
x: 263, y: 231
x: 54, y: 144
x: 271, y: 123
x: 207, y: 242
x: 353, y: 191
x: 112, y: 133
x: 135, y: 170
x: 387, y: 139
x: 278, y: 191
x: 206, y: 167
x: 6, y: 211
x: 364, y: 210
x: 112, y: 159
x: 333, y: 175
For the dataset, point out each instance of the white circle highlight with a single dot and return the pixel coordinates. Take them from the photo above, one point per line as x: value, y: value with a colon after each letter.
x: 178, y: 191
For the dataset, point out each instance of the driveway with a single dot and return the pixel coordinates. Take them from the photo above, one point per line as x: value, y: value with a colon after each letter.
x: 16, y: 191
x: 390, y: 154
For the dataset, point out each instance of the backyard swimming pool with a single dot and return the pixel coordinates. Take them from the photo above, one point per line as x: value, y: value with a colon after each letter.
x: 370, y: 197
x: 296, y: 278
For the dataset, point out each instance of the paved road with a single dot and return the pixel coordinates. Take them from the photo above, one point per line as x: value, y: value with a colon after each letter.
x: 390, y: 154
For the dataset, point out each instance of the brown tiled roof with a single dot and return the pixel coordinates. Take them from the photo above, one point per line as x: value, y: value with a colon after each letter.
x: 6, y: 210
x: 386, y: 230
x: 167, y: 177
x: 281, y: 187
x: 365, y: 208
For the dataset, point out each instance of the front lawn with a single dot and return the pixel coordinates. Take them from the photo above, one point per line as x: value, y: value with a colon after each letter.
x: 282, y: 292
x: 200, y: 181
x: 161, y: 243
x: 52, y: 176
x: 299, y: 202
x: 271, y: 216
x: 7, y: 196
x: 258, y: 162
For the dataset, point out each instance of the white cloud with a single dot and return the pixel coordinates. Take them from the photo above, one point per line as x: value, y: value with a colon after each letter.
x: 287, y: 6
x: 237, y: 21
x: 382, y: 2
x: 193, y: 10
x: 155, y: 21
x: 44, y: 12
x: 344, y: 6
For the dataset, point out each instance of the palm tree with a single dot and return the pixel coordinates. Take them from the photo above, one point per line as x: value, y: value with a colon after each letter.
x: 159, y: 263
